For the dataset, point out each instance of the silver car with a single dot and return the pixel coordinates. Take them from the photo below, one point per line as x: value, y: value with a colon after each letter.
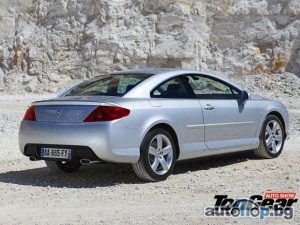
x: 151, y: 118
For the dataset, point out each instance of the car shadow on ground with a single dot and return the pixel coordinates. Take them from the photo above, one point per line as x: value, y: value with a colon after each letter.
x: 210, y: 162
x: 103, y: 175
x: 89, y: 176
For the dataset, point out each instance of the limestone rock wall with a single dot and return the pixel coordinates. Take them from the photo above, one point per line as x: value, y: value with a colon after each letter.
x: 48, y: 44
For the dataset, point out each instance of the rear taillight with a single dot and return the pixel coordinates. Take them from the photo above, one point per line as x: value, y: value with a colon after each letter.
x: 107, y: 113
x: 30, y: 114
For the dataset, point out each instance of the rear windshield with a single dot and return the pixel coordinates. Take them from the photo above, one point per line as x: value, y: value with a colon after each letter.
x: 110, y: 85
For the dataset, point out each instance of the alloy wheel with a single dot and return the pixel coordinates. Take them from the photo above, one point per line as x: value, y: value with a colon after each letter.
x: 160, y: 154
x: 273, y: 136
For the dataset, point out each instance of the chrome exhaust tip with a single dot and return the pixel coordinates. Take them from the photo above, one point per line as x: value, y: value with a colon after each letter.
x: 85, y: 161
x: 32, y: 158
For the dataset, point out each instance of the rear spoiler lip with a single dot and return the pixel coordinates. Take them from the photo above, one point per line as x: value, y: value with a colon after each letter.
x: 65, y: 102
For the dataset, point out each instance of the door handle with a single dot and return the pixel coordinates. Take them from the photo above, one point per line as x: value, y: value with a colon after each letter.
x: 208, y: 107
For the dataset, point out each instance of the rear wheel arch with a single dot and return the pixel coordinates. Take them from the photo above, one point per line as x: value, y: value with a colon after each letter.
x: 157, y: 155
x: 172, y: 132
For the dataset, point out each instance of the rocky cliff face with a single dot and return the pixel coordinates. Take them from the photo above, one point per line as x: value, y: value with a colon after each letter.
x: 47, y: 44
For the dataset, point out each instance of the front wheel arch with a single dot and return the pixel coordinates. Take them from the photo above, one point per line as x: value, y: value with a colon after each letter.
x: 271, y: 127
x: 275, y: 113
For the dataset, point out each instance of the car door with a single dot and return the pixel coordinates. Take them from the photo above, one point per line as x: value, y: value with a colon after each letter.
x: 183, y: 111
x: 229, y: 123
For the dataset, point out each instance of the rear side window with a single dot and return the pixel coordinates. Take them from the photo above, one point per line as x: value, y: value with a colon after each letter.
x: 108, y: 85
x: 173, y: 88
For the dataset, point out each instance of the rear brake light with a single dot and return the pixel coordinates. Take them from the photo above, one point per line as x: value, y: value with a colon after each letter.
x: 30, y: 114
x: 107, y: 113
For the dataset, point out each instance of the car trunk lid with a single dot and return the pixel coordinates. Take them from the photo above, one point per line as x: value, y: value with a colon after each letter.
x: 68, y: 109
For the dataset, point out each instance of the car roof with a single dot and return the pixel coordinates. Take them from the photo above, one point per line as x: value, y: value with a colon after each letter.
x: 152, y: 71
x: 167, y: 72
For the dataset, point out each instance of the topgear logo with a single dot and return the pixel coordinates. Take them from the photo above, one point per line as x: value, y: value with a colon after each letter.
x: 273, y: 204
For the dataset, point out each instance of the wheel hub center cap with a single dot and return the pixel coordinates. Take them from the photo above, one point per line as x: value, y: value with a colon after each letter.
x: 160, y: 154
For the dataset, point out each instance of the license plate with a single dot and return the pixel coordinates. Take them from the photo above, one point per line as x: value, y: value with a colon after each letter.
x: 56, y: 153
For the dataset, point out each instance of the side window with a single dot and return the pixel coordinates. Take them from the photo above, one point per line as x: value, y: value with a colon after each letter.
x: 207, y: 88
x: 170, y: 89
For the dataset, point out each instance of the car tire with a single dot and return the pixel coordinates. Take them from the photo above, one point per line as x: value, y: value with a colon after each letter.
x: 157, y: 156
x: 60, y: 166
x: 271, y: 138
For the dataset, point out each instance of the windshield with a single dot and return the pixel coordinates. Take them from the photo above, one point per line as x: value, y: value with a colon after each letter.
x: 110, y: 85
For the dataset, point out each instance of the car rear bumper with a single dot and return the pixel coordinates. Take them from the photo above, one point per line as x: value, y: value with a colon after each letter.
x: 78, y: 152
x: 109, y: 141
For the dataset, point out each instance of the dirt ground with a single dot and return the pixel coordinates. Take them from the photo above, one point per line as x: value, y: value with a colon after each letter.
x: 111, y: 194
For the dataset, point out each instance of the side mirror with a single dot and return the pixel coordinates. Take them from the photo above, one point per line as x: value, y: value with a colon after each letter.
x: 244, y: 96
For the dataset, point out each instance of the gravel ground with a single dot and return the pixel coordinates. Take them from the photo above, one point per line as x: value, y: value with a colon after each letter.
x: 111, y: 194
